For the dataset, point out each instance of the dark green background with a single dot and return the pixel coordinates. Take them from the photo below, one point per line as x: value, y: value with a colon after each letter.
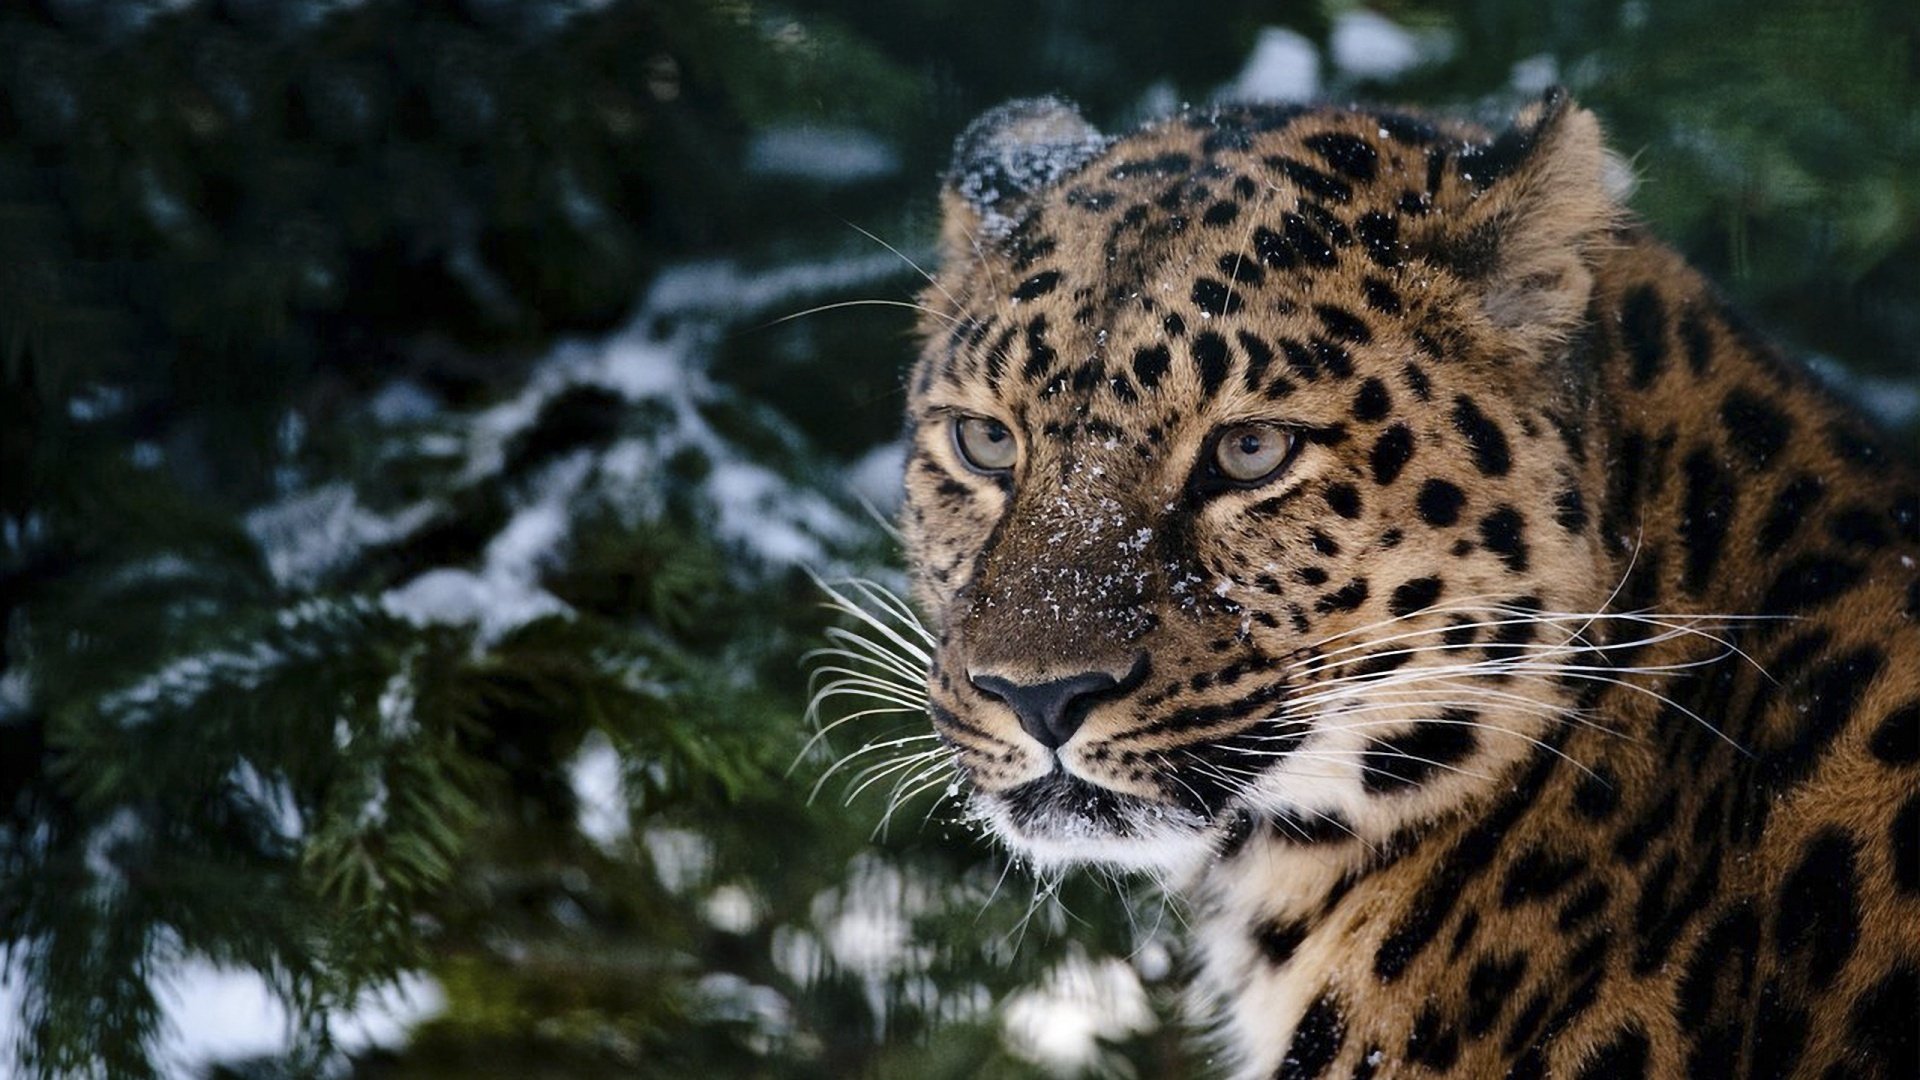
x: 226, y: 231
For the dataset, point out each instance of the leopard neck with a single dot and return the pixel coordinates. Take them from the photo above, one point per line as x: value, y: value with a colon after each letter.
x: 1715, y: 459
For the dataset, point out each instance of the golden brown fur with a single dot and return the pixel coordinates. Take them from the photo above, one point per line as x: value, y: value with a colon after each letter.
x: 1552, y: 712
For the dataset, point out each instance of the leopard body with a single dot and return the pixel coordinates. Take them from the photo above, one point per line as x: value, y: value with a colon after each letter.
x: 1552, y: 710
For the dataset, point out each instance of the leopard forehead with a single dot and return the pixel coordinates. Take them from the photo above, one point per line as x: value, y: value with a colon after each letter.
x: 1249, y: 250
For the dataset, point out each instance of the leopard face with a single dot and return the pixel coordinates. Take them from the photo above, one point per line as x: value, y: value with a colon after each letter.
x: 1242, y: 483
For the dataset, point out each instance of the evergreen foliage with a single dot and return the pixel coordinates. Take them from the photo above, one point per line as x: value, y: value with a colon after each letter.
x: 406, y: 488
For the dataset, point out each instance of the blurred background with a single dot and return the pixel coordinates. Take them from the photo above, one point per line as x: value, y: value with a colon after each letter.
x: 409, y: 470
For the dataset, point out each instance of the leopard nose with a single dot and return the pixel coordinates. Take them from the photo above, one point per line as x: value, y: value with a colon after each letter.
x: 1051, y: 710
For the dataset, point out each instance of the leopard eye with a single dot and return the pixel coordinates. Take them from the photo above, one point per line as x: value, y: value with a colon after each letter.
x: 1251, y: 453
x: 984, y: 444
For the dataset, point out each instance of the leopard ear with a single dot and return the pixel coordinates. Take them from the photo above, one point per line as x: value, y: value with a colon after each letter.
x: 1002, y: 160
x: 1542, y: 199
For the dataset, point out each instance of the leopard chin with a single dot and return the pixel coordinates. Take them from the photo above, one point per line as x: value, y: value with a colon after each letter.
x: 1060, y: 821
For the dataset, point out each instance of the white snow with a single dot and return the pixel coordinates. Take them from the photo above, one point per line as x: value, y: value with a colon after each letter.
x: 308, y: 534
x: 1532, y: 75
x: 211, y: 1014
x: 599, y: 786
x: 828, y: 155
x: 878, y: 477
x: 733, y: 909
x: 1061, y: 1024
x: 272, y: 795
x: 505, y: 594
x: 1284, y: 67
x: 1893, y: 402
x: 1367, y: 45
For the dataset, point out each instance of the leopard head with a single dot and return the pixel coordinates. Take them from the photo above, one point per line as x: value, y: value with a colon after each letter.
x: 1244, y: 481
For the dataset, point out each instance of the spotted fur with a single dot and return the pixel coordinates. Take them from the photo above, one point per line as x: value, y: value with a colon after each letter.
x: 1552, y: 711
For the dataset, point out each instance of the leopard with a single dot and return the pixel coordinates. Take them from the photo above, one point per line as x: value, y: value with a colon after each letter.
x: 1354, y: 522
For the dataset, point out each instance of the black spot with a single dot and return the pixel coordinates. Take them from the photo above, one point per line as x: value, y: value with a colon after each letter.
x: 1306, y: 241
x: 1625, y: 1058
x: 1322, y: 543
x: 1349, y: 155
x: 1401, y: 127
x: 1754, y: 426
x: 1038, y: 285
x: 1484, y: 164
x: 1463, y: 934
x: 1310, y: 827
x: 1906, y: 516
x: 1391, y: 453
x: 1343, y: 325
x: 1162, y: 166
x: 1214, y: 297
x: 1150, y: 364
x: 1312, y: 180
x: 1643, y: 325
x: 1270, y: 248
x: 1721, y: 969
x: 1779, y: 1032
x: 1632, y: 843
x: 1311, y: 575
x: 1040, y: 355
x: 1819, y: 907
x: 1570, y: 510
x: 1316, y: 1041
x: 1417, y: 381
x: 1504, y: 533
x: 1490, y: 984
x: 1122, y: 389
x: 1705, y: 517
x: 1237, y: 266
x: 1591, y: 900
x: 1414, y: 596
x: 1259, y: 357
x: 1855, y: 447
x: 1173, y: 324
x: 1859, y: 527
x: 1372, y: 402
x: 1664, y: 910
x: 1211, y: 356
x: 1394, y: 763
x: 1439, y: 502
x: 1904, y: 838
x: 1380, y: 235
x: 1344, y: 499
x: 1897, y: 740
x: 1538, y: 875
x: 1220, y: 213
x: 1278, y: 940
x: 1883, y: 1022
x: 1432, y: 1042
x: 1791, y: 505
x: 1808, y: 582
x: 1595, y: 797
x: 1345, y: 598
x: 1332, y: 357
x: 1484, y: 437
x: 1380, y: 296
x: 1300, y: 359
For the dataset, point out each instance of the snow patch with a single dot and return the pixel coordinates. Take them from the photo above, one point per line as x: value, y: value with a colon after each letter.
x: 1284, y: 66
x: 826, y: 155
x: 879, y: 477
x: 599, y: 786
x: 1367, y: 45
x: 1083, y: 1003
x: 307, y: 535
